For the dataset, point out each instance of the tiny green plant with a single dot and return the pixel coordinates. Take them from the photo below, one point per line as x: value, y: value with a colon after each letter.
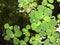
x: 41, y: 22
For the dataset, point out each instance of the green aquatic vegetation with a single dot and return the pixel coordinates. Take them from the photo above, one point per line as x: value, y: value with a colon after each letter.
x: 52, y: 39
x: 16, y: 41
x: 22, y: 42
x: 50, y: 6
x: 28, y: 27
x: 44, y: 2
x: 47, y: 42
x: 26, y: 39
x: 6, y: 26
x: 50, y: 1
x: 58, y: 0
x: 26, y: 32
x: 42, y: 24
x: 58, y: 16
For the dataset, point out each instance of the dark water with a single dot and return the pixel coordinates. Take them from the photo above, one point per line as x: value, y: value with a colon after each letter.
x: 6, y: 12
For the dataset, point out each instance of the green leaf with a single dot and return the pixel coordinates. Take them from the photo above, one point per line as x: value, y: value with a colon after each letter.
x: 25, y: 32
x: 44, y: 25
x: 6, y: 26
x: 50, y: 1
x: 47, y: 18
x: 22, y: 42
x: 16, y: 41
x: 28, y: 27
x: 32, y: 14
x: 38, y: 15
x: 56, y: 35
x: 11, y: 27
x: 38, y: 29
x: 34, y: 20
x: 25, y: 6
x: 52, y: 39
x: 33, y: 26
x: 9, y: 32
x: 58, y: 0
x: 58, y: 16
x: 52, y: 23
x: 32, y: 39
x: 41, y: 8
x: 54, y: 44
x: 42, y: 33
x: 44, y: 2
x: 46, y: 42
x: 47, y: 12
x: 30, y: 0
x: 18, y: 34
x: 20, y: 5
x: 50, y: 6
x: 7, y: 37
x: 21, y: 1
x: 26, y: 39
x: 34, y: 4
x: 49, y: 32
x: 16, y: 28
x: 37, y: 37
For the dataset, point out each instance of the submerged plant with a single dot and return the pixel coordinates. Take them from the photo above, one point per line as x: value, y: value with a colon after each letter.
x: 41, y: 22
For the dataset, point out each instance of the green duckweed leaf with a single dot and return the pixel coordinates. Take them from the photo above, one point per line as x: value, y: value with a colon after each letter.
x: 25, y: 32
x: 44, y: 2
x: 58, y: 16
x: 58, y: 0
x: 32, y: 14
x: 41, y: 8
x: 11, y: 27
x: 42, y: 33
x: 30, y: 0
x: 26, y: 39
x: 56, y: 35
x: 6, y: 26
x: 50, y: 1
x: 16, y: 28
x: 21, y: 1
x: 38, y: 29
x: 22, y: 42
x: 9, y: 32
x: 25, y: 6
x: 50, y: 6
x: 7, y: 37
x: 28, y: 27
x: 34, y: 4
x: 47, y: 18
x: 49, y: 32
x: 34, y: 20
x: 47, y: 12
x: 52, y: 23
x: 18, y: 34
x: 54, y: 44
x: 44, y: 25
x: 38, y: 15
x: 32, y: 39
x: 52, y: 39
x: 37, y: 37
x: 16, y: 41
x: 46, y: 42
x: 20, y: 5
x: 33, y: 26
